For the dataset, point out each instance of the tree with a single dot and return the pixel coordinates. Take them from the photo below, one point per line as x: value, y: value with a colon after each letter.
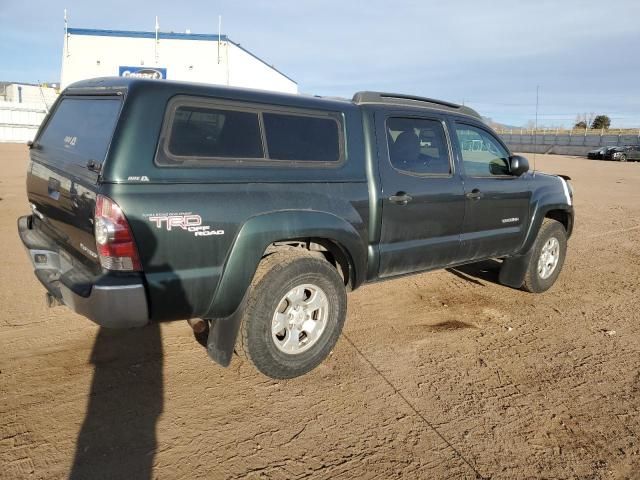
x: 580, y: 124
x: 600, y: 122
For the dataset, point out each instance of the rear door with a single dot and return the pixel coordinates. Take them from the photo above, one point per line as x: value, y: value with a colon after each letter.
x: 66, y: 159
x: 496, y: 202
x: 422, y: 194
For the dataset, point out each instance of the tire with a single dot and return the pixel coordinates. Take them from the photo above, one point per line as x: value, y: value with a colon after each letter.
x: 551, y: 238
x: 283, y: 286
x: 622, y: 158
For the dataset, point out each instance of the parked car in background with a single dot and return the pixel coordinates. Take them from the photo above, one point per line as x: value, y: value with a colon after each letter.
x: 622, y: 154
x: 598, y: 153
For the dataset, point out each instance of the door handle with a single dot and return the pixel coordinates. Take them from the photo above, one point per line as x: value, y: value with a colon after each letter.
x: 474, y: 194
x: 400, y: 198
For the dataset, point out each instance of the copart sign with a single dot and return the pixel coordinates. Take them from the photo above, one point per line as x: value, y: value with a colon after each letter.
x: 143, y: 72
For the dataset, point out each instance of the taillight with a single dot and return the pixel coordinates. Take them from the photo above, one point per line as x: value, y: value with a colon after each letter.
x: 114, y: 241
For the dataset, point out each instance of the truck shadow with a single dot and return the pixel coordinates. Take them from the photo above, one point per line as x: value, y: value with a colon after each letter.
x: 118, y: 435
x: 476, y: 273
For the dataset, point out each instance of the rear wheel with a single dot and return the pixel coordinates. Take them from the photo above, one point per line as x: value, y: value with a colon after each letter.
x: 548, y: 255
x: 294, y: 315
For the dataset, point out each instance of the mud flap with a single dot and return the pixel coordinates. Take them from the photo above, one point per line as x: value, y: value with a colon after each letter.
x: 222, y: 337
x: 514, y: 269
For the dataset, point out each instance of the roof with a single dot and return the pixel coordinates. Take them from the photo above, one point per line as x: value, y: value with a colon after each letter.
x: 218, y: 91
x: 42, y: 84
x: 267, y: 97
x: 209, y: 37
x: 413, y: 101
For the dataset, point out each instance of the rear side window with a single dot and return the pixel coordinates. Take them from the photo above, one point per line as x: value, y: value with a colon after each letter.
x: 297, y: 137
x: 200, y: 132
x: 80, y: 129
x: 209, y: 133
x: 418, y: 145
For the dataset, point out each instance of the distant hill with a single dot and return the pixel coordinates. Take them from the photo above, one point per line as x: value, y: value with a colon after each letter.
x: 499, y: 126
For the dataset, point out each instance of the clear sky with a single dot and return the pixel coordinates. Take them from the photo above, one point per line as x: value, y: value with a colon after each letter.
x: 490, y: 54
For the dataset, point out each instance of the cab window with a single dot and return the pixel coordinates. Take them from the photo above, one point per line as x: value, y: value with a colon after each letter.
x: 302, y: 137
x: 206, y: 132
x: 482, y: 154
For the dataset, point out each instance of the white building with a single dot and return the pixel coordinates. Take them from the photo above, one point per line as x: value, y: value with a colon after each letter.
x: 191, y: 57
x: 43, y: 95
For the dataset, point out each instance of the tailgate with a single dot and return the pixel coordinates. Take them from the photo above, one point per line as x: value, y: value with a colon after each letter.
x: 66, y: 159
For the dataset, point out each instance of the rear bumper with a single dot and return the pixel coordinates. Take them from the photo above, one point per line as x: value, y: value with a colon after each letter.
x: 109, y: 301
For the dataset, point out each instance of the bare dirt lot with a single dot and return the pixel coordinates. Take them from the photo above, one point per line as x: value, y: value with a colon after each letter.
x: 441, y: 375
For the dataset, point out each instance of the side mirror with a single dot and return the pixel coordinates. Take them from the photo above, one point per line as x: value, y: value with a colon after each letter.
x: 519, y: 165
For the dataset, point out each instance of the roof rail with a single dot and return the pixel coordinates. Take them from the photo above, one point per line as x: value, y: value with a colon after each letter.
x: 403, y: 99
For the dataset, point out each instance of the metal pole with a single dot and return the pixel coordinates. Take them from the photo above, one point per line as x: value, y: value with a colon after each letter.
x: 66, y: 33
x: 535, y: 138
x: 219, y: 35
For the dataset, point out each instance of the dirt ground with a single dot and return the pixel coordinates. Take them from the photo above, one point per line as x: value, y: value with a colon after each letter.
x: 441, y: 375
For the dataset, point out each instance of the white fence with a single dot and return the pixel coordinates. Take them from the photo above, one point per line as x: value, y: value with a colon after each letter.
x: 19, y: 122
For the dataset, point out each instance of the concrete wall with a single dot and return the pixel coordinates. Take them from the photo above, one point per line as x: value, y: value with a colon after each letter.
x: 19, y: 122
x: 564, y: 144
x: 179, y: 56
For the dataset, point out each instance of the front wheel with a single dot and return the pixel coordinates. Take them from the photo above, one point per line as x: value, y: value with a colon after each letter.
x: 622, y: 158
x: 547, y: 258
x: 294, y: 315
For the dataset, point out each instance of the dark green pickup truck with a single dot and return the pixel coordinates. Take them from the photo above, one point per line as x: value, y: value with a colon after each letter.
x: 155, y: 201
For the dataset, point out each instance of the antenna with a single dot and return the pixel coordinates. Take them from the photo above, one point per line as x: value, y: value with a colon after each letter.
x: 535, y: 134
x: 157, y: 36
x: 44, y: 100
x: 219, y: 35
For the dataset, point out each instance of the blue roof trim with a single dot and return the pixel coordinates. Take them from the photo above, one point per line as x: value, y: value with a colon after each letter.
x: 169, y: 36
x: 260, y: 60
x: 140, y: 34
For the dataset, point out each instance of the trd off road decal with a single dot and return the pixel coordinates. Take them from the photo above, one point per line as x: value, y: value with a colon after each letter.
x: 188, y: 221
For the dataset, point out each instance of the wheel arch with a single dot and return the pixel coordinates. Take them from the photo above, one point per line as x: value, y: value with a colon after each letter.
x: 327, y: 248
x: 561, y: 212
x: 321, y: 232
x: 564, y: 216
x: 513, y: 270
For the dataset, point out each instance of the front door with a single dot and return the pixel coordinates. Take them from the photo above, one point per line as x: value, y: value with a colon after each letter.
x: 497, y: 203
x: 422, y: 194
